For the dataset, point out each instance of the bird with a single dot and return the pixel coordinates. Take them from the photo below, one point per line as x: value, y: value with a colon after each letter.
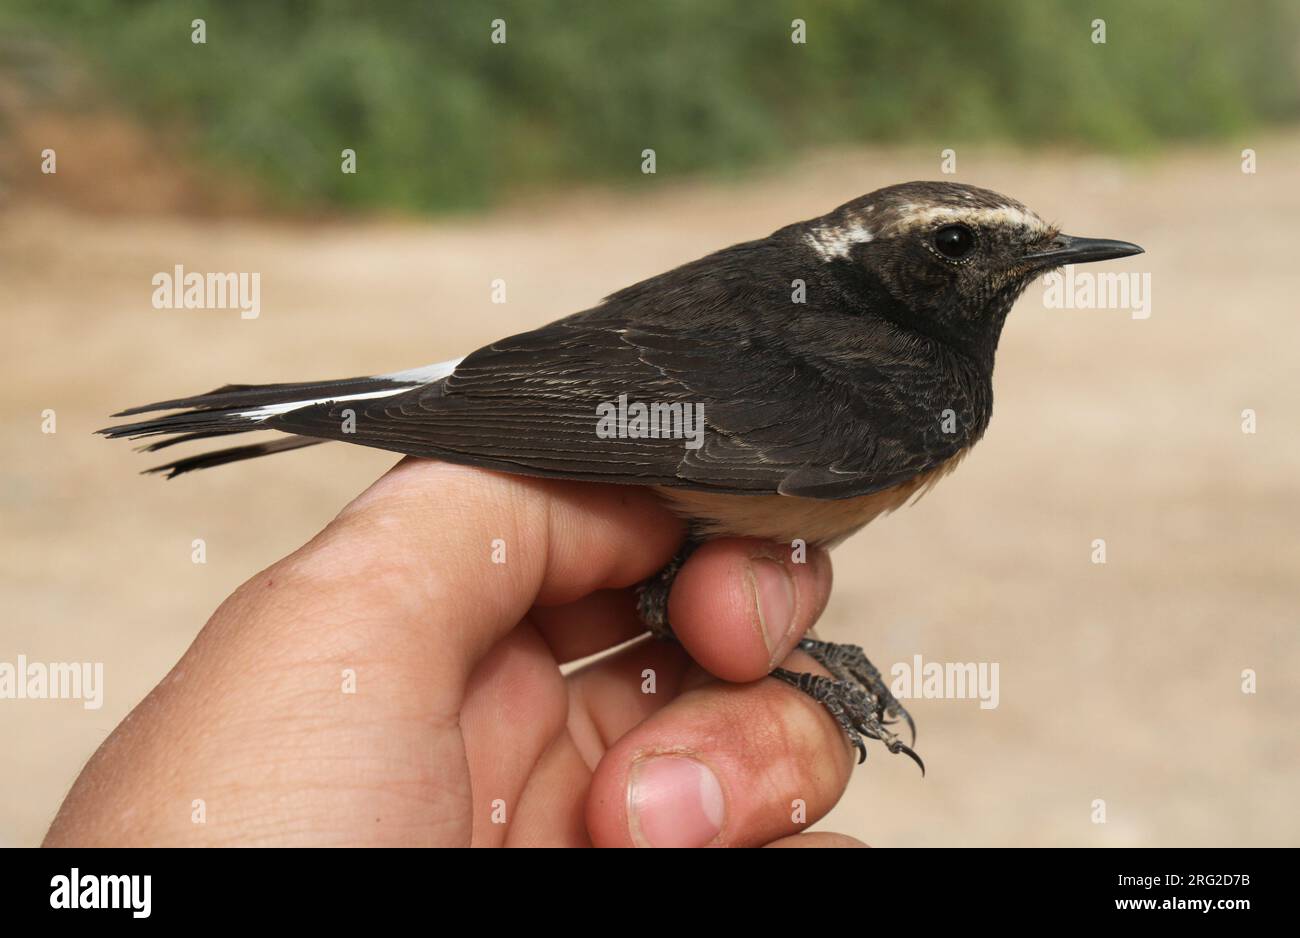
x: 790, y: 388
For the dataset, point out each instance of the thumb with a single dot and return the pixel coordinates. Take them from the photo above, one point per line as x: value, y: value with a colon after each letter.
x: 450, y: 558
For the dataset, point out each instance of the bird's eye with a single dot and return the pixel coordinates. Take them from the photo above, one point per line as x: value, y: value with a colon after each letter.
x: 954, y: 241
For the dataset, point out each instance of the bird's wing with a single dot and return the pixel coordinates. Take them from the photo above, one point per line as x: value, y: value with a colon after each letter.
x: 533, y: 404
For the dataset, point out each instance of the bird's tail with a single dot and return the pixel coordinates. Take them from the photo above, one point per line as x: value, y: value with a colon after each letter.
x: 241, y: 408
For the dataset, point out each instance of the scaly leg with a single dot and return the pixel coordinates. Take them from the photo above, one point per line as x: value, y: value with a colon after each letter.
x: 854, y: 708
x: 849, y: 663
x: 652, y: 595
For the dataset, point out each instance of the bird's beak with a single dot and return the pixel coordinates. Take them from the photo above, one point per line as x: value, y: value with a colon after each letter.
x: 1067, y: 249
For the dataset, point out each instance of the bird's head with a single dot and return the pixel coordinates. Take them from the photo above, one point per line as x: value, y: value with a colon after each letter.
x: 945, y: 259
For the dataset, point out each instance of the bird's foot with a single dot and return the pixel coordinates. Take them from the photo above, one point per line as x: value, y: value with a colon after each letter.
x: 850, y: 663
x: 856, y: 696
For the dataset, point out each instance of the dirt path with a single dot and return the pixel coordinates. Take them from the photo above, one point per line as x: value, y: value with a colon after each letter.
x: 1118, y: 682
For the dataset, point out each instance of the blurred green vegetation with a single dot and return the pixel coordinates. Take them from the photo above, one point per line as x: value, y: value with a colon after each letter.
x: 441, y: 118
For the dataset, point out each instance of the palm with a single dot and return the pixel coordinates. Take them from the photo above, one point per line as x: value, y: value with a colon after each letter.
x: 533, y: 737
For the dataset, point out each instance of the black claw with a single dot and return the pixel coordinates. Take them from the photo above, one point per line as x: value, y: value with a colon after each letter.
x: 907, y: 751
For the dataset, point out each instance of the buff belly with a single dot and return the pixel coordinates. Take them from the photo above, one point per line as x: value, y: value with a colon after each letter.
x: 786, y: 518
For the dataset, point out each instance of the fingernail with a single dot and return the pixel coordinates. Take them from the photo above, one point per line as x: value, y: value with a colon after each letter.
x: 774, y: 591
x: 673, y: 801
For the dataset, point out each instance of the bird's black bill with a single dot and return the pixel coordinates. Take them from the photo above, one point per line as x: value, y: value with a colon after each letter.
x: 1067, y: 249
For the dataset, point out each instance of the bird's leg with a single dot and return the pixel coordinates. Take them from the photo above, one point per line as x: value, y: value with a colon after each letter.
x: 856, y: 695
x: 652, y: 595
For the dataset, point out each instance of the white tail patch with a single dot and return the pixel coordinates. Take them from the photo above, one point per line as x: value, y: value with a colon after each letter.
x: 426, y: 375
x: 411, y: 378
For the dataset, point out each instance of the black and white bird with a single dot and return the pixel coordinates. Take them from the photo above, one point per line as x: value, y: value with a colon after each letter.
x: 841, y: 366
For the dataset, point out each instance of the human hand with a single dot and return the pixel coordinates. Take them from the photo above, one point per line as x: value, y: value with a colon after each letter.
x: 461, y: 729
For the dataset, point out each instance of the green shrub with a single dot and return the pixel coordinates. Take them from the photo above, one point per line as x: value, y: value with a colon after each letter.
x: 441, y: 118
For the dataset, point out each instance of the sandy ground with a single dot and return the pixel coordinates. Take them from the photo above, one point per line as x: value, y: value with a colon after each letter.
x: 1119, y: 682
